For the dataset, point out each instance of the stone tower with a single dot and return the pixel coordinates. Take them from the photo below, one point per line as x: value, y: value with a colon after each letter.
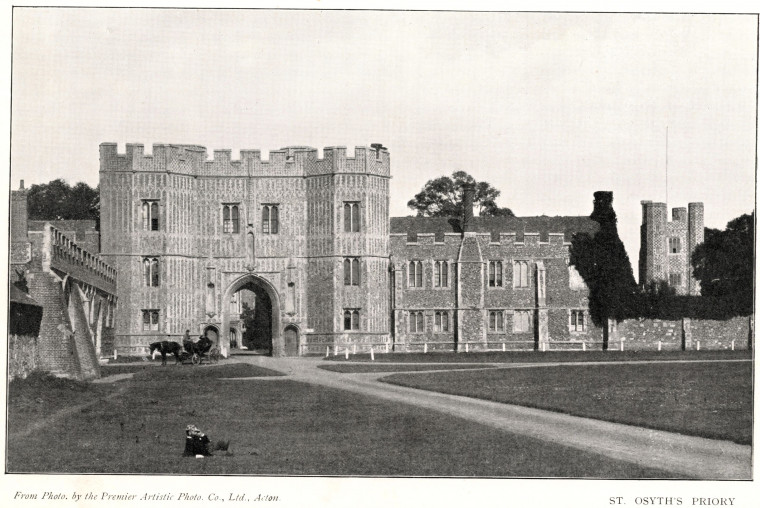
x: 667, y: 246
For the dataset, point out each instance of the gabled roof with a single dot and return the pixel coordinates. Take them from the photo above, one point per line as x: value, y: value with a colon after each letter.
x: 542, y: 225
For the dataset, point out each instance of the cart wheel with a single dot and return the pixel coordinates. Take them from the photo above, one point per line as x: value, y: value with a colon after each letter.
x: 196, y: 359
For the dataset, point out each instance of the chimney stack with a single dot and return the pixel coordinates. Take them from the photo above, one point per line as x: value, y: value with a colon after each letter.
x: 468, y: 196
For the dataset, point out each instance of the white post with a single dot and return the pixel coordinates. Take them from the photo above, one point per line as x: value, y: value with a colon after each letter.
x: 115, y: 354
x: 424, y: 350
x: 697, y: 345
x: 371, y: 354
x: 354, y: 351
x: 327, y: 353
x: 622, y: 346
x: 504, y: 346
x: 584, y: 346
x: 732, y: 345
x: 386, y: 347
x: 346, y: 352
x: 466, y: 347
x: 659, y: 345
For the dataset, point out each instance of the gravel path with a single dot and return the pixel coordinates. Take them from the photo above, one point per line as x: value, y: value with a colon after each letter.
x: 692, y: 457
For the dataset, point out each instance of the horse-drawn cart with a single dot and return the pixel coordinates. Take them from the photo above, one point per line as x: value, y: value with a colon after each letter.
x: 196, y: 352
x: 193, y: 353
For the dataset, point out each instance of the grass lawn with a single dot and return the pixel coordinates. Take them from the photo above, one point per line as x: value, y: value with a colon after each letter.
x: 703, y: 399
x: 275, y: 427
x: 364, y: 368
x: 544, y: 357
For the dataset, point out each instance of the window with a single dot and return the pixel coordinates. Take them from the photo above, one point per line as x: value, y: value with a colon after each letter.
x: 495, y: 321
x: 495, y: 274
x: 441, y: 321
x: 416, y: 322
x: 351, y: 217
x: 150, y: 320
x: 674, y: 279
x: 674, y: 245
x: 523, y: 321
x: 150, y: 272
x: 270, y: 217
x: 231, y: 219
x: 350, y: 319
x: 521, y: 279
x: 351, y: 272
x: 415, y: 274
x: 577, y: 321
x: 235, y: 303
x: 441, y: 274
x: 150, y: 215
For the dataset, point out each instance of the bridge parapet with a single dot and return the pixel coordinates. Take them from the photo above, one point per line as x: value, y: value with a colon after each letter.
x: 63, y: 254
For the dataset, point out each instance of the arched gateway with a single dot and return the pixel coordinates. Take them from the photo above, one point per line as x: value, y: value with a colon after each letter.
x: 272, y: 319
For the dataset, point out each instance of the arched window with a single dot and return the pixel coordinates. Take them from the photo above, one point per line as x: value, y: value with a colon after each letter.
x: 351, y: 217
x: 230, y: 219
x: 415, y: 274
x: 350, y: 319
x: 351, y: 272
x: 151, y: 272
x: 495, y: 321
x: 270, y: 215
x: 150, y: 320
x: 154, y: 272
x: 441, y: 321
x: 416, y: 322
x: 521, y: 274
x: 150, y: 215
x: 441, y: 275
x: 495, y: 278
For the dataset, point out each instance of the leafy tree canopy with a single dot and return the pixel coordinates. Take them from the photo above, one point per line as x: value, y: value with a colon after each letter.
x: 442, y: 197
x: 58, y: 200
x: 724, y: 262
x: 603, y: 263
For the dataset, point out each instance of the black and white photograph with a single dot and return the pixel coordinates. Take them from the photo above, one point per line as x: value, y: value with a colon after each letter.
x: 317, y: 254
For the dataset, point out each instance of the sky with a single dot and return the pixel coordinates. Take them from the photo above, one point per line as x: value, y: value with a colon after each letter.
x: 548, y: 108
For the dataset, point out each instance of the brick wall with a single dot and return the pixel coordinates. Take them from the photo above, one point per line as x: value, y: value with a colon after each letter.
x: 56, y: 348
x: 23, y: 356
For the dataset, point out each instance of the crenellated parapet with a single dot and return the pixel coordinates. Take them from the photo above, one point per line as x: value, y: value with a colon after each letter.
x: 289, y: 161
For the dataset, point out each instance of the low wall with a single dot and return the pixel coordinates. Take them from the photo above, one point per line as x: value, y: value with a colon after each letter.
x: 23, y: 356
x: 682, y: 334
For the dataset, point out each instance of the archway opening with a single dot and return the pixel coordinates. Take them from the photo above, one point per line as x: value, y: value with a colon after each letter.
x: 253, y: 307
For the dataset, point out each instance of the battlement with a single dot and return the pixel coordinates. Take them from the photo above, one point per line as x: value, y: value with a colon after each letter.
x: 288, y: 161
x: 658, y: 211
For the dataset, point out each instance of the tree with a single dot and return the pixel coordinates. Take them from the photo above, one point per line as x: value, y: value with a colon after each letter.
x: 442, y: 197
x: 57, y: 200
x: 724, y: 263
x: 602, y: 261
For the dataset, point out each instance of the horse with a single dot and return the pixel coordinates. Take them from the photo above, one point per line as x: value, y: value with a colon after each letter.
x: 166, y: 347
